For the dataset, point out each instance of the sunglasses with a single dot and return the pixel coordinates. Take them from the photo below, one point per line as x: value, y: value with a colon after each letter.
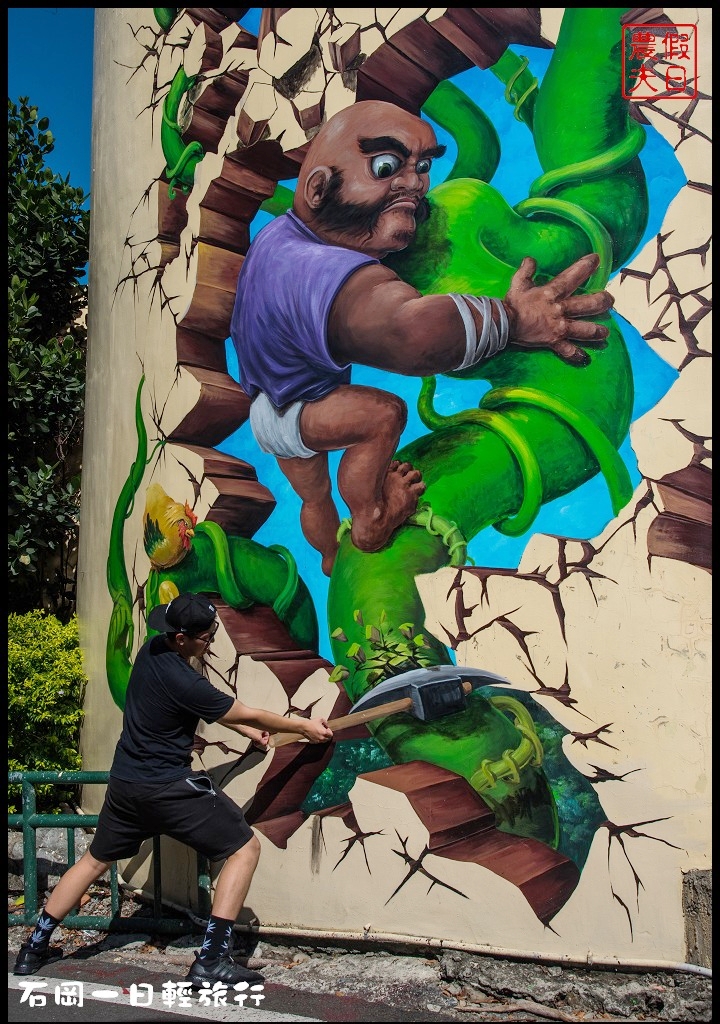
x: 206, y: 638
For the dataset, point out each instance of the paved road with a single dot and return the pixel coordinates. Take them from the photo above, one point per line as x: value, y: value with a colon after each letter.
x: 125, y: 992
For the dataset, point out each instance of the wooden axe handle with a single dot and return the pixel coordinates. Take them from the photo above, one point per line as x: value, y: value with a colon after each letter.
x: 280, y: 739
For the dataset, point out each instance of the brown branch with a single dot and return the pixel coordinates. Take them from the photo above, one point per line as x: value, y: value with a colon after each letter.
x: 519, y: 1006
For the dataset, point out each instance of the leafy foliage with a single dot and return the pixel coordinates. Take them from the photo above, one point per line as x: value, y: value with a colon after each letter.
x: 579, y: 807
x: 350, y: 759
x: 392, y: 650
x: 46, y: 686
x: 47, y: 254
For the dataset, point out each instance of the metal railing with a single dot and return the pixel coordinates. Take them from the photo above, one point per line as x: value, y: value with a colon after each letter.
x: 30, y: 821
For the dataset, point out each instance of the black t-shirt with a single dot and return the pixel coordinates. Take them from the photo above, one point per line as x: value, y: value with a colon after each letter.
x: 166, y: 698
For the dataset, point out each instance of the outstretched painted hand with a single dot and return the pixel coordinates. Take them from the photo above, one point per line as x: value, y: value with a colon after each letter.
x: 551, y: 316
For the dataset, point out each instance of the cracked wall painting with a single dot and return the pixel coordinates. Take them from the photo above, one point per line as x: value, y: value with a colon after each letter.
x: 562, y: 543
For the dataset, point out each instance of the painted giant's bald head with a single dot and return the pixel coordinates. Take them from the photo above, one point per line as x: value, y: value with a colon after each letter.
x: 364, y: 178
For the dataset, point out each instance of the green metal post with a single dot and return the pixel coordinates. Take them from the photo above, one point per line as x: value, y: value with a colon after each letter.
x: 114, y: 891
x: 29, y: 855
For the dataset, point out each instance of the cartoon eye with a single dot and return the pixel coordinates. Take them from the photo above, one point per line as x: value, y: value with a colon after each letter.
x: 423, y: 166
x: 385, y: 165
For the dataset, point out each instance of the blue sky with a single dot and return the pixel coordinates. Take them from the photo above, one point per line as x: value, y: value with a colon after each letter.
x: 50, y: 52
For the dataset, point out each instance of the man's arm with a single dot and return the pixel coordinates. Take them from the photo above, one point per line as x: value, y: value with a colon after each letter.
x: 260, y: 738
x: 379, y: 320
x: 315, y: 730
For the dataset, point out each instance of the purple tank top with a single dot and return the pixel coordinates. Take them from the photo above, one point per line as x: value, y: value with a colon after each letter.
x: 286, y: 287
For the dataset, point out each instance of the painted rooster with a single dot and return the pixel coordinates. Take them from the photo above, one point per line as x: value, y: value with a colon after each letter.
x: 168, y: 528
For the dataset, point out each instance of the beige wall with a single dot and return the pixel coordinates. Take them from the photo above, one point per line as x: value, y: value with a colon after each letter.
x: 637, y: 627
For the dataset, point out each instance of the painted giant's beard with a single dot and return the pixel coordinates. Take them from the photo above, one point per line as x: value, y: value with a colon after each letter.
x: 360, y: 219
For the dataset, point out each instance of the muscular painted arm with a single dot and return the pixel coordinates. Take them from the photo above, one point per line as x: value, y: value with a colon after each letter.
x: 313, y: 729
x: 379, y: 320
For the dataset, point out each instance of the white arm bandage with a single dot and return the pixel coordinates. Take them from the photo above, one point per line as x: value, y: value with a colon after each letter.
x: 492, y: 340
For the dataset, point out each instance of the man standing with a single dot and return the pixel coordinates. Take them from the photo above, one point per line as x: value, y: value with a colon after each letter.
x: 154, y: 791
x: 313, y: 298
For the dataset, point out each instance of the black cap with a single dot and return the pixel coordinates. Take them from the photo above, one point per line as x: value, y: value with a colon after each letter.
x: 186, y: 613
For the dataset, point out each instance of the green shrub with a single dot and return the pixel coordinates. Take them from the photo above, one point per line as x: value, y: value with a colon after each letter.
x: 46, y: 686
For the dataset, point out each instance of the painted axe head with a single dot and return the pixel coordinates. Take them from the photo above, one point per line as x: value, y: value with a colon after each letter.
x: 435, y: 692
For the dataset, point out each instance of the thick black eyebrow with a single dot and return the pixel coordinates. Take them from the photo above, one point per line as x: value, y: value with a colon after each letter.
x: 385, y: 142
x: 382, y: 143
x: 434, y: 151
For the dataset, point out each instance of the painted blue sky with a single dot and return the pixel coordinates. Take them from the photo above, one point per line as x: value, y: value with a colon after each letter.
x: 50, y: 61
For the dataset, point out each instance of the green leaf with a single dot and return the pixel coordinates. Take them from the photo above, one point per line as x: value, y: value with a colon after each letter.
x: 356, y: 653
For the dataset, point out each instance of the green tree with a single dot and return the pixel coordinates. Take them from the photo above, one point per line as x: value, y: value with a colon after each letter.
x: 48, y: 230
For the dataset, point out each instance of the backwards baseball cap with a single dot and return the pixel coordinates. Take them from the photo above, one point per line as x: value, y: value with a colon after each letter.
x: 186, y: 613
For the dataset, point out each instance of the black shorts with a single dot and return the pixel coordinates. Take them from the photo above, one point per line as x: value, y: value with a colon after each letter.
x: 190, y: 810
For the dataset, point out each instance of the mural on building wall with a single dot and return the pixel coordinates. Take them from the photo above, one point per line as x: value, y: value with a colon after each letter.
x: 524, y: 442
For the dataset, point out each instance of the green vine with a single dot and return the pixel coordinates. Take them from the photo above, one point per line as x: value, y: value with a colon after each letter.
x: 121, y: 631
x: 609, y: 161
x: 609, y: 461
x: 165, y: 16
x: 528, y: 753
x: 181, y: 159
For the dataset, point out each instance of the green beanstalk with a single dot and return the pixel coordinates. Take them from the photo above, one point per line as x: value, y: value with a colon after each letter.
x: 245, y: 573
x: 544, y: 427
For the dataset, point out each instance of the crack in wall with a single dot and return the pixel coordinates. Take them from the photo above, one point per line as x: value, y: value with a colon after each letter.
x: 415, y: 866
x: 616, y: 834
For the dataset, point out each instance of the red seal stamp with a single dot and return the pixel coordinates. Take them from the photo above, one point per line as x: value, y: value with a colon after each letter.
x: 659, y: 62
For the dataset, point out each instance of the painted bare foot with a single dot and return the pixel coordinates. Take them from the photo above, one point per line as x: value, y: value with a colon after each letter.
x: 372, y: 528
x: 328, y: 561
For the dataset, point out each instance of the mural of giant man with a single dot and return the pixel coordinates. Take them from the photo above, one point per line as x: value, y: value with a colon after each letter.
x: 491, y: 805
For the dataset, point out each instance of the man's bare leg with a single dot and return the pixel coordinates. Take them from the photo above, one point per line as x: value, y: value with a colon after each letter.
x: 379, y: 491
x: 234, y: 880
x: 310, y: 479
x: 73, y: 885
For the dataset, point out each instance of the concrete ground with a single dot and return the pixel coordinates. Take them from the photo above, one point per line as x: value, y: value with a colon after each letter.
x: 359, y: 979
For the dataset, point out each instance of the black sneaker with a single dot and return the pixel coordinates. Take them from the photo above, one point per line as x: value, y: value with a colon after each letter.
x: 224, y: 969
x: 30, y: 960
